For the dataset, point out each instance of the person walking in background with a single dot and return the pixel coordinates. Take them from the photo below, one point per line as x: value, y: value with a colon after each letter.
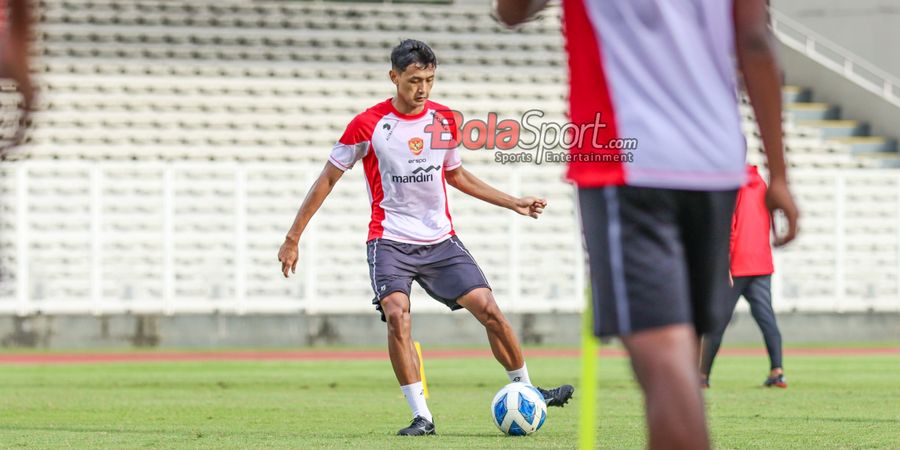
x: 751, y: 274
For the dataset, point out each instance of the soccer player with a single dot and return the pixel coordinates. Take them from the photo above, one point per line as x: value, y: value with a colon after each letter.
x: 657, y: 228
x: 751, y: 272
x: 411, y: 234
x: 15, y: 33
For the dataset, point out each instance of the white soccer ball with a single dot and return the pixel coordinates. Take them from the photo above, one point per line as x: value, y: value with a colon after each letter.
x: 518, y: 409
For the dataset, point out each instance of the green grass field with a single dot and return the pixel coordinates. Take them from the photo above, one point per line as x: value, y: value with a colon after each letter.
x: 832, y: 402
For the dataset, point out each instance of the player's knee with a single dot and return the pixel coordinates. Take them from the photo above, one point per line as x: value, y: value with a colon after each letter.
x: 396, y: 311
x: 398, y: 320
x: 493, y: 317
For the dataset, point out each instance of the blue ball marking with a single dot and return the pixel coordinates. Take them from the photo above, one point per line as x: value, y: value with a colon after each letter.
x: 500, y: 409
x: 526, y: 408
x: 515, y: 430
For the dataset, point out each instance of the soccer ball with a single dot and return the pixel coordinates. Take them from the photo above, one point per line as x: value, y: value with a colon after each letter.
x: 518, y: 409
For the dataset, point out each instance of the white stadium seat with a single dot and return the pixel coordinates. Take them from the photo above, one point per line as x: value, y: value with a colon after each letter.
x: 173, y: 143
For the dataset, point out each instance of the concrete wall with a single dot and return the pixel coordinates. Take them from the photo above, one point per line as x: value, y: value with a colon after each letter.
x: 85, y: 331
x: 868, y: 28
x: 820, y: 327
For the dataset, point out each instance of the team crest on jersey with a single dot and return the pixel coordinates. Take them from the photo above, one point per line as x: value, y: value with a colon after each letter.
x: 416, y: 145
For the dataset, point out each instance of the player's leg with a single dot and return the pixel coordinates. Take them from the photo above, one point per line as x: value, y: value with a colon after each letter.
x: 705, y: 222
x: 759, y: 295
x: 451, y: 275
x: 713, y: 340
x: 504, y: 343
x: 674, y: 405
x: 405, y: 362
x: 642, y: 292
x: 399, y: 328
x: 391, y: 273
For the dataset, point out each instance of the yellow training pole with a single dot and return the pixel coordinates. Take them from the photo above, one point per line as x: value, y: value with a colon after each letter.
x: 587, y: 421
x: 421, y: 368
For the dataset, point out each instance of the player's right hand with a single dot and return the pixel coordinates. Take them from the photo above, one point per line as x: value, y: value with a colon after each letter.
x: 288, y: 255
x: 778, y: 197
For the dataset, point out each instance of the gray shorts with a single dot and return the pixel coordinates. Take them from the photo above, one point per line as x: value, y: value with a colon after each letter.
x: 657, y: 257
x: 446, y: 270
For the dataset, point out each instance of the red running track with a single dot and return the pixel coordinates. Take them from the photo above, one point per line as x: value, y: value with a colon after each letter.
x: 356, y: 355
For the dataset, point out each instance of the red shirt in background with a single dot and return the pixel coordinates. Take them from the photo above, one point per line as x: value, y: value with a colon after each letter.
x: 751, y: 253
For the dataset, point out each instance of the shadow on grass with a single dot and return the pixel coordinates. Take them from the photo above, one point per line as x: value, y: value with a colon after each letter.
x: 478, y: 435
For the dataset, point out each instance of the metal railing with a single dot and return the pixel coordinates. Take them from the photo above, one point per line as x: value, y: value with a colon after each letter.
x: 836, y: 58
x: 847, y: 257
x: 209, y: 244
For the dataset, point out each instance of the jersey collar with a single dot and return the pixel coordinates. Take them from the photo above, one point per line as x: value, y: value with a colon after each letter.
x: 407, y: 116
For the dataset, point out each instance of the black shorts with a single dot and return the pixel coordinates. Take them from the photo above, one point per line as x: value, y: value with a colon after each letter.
x: 657, y: 257
x: 446, y: 270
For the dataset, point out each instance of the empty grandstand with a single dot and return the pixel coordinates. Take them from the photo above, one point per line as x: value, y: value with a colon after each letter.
x: 175, y: 140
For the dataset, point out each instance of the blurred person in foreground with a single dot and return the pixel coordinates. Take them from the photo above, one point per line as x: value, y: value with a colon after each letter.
x: 751, y: 274
x: 15, y: 33
x: 657, y: 226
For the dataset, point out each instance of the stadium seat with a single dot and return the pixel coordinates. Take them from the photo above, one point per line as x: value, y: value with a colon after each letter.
x: 219, y: 96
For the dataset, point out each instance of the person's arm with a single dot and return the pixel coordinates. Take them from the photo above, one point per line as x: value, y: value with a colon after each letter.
x: 15, y: 63
x: 755, y: 47
x: 515, y: 12
x: 288, y: 254
x: 468, y: 183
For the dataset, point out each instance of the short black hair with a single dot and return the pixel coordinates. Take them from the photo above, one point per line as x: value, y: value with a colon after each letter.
x: 411, y: 51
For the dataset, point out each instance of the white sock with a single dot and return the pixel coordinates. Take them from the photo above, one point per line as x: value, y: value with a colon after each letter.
x: 415, y: 396
x: 519, y: 375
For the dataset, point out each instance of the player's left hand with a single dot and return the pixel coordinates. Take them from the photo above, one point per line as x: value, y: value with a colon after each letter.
x: 288, y: 256
x: 778, y: 197
x: 530, y: 206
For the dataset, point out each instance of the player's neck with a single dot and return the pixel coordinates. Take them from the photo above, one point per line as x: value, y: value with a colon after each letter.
x: 404, y: 108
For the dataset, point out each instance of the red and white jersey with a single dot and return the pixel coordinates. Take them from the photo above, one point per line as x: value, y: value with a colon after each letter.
x: 404, y: 174
x: 661, y: 72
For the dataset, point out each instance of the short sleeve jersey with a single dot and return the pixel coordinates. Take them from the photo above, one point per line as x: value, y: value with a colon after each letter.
x: 404, y: 170
x: 661, y: 74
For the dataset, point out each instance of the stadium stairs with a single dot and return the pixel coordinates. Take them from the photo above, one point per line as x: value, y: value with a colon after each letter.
x: 850, y: 134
